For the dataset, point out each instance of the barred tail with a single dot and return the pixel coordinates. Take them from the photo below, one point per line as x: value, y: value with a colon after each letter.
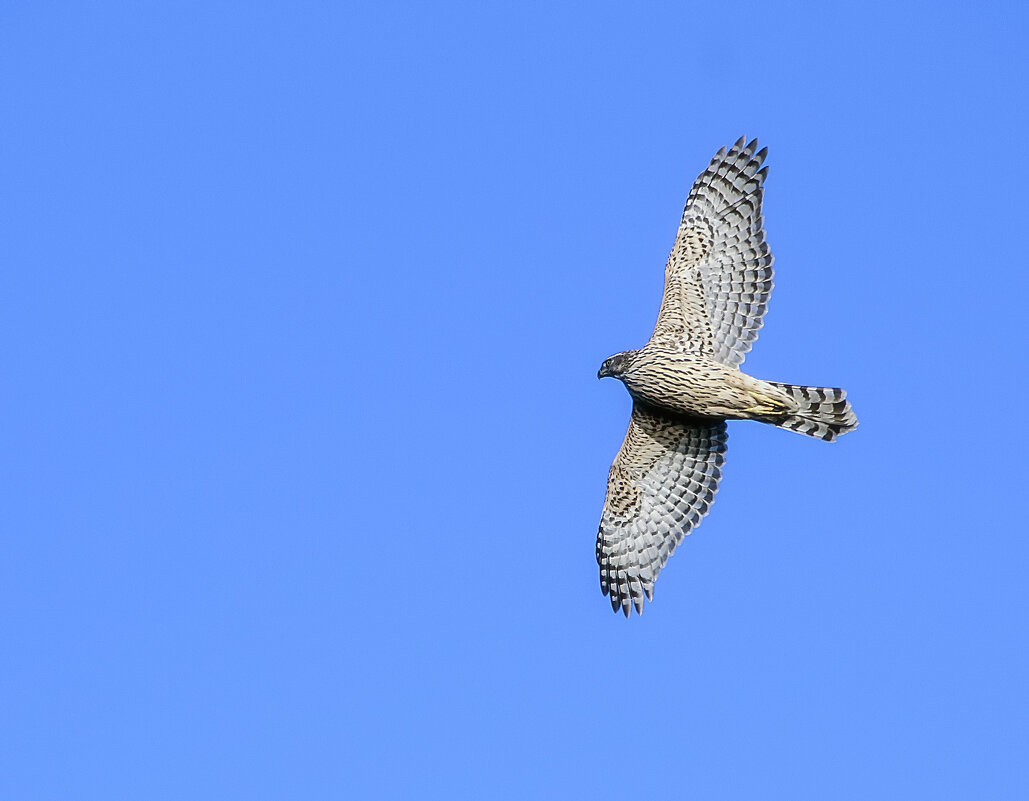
x: 824, y: 412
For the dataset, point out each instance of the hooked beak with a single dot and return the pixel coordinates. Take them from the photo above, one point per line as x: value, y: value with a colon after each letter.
x: 603, y: 372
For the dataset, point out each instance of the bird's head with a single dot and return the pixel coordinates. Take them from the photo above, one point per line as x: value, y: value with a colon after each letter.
x: 616, y: 365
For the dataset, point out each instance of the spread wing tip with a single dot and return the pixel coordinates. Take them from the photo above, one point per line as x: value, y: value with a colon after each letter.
x: 625, y: 594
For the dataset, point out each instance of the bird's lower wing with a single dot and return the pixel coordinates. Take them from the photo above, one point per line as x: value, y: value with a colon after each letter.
x: 661, y: 484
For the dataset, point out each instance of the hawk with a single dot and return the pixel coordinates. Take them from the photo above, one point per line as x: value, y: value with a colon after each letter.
x: 686, y: 381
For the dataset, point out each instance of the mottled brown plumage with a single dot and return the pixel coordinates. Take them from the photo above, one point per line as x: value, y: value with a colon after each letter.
x: 685, y: 382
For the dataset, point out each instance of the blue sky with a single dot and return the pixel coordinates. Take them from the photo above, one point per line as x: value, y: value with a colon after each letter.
x: 304, y: 452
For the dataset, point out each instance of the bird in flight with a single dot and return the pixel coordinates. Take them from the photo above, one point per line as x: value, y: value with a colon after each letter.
x: 686, y: 381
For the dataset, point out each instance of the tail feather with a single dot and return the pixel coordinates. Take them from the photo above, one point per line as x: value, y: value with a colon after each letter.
x: 824, y: 412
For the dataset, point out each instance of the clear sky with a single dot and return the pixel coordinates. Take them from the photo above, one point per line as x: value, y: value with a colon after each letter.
x: 303, y: 450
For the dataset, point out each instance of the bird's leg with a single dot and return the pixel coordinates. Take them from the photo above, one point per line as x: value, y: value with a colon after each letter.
x: 765, y: 404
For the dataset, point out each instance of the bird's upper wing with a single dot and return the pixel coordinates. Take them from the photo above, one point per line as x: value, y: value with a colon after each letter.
x: 661, y: 484
x: 719, y: 275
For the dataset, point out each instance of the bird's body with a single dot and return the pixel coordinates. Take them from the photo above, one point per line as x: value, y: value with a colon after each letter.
x: 686, y: 382
x: 697, y: 386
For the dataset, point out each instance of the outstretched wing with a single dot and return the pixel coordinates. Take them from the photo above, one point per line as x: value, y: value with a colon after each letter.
x: 661, y: 484
x: 719, y: 275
